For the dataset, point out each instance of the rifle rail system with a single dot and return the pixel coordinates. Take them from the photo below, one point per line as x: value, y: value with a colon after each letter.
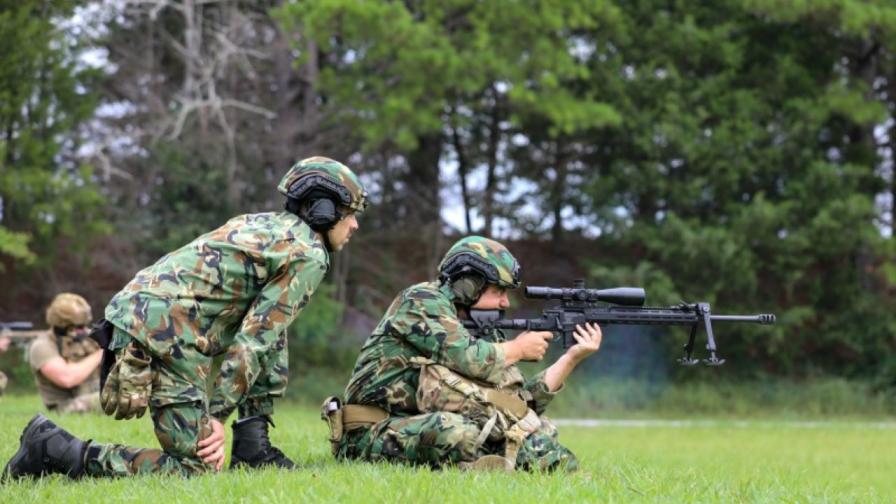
x: 616, y: 306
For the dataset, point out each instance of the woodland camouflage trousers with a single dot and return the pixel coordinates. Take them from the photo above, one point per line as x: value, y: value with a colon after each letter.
x: 440, y: 439
x: 180, y: 425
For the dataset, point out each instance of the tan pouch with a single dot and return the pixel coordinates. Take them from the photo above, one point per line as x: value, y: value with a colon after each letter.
x: 441, y: 389
x: 331, y: 413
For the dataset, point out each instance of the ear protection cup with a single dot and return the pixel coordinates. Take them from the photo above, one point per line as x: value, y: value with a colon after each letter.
x: 468, y: 288
x: 322, y: 215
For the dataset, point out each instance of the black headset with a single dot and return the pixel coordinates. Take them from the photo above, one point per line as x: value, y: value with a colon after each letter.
x: 322, y: 195
x: 322, y: 214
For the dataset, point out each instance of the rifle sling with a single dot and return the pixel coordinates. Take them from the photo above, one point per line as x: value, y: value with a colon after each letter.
x: 102, y: 334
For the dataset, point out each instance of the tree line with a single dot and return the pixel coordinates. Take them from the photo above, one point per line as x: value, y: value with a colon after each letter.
x: 737, y: 152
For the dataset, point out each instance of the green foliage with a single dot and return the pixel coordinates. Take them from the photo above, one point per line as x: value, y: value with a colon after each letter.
x: 315, y: 339
x: 411, y: 79
x: 44, y: 96
x: 736, y: 152
x: 746, y: 178
x: 15, y: 245
x: 183, y: 198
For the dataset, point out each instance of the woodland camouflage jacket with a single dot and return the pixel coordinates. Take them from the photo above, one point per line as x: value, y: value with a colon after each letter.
x: 423, y: 322
x: 234, y: 290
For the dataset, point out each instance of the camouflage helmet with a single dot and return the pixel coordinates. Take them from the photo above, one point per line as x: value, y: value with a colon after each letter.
x: 321, y: 173
x: 477, y: 254
x: 68, y: 310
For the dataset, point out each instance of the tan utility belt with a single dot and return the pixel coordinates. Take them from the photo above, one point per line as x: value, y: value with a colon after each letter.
x: 342, y: 418
x: 358, y: 415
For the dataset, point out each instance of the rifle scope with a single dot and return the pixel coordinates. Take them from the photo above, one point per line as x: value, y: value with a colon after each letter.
x: 626, y: 296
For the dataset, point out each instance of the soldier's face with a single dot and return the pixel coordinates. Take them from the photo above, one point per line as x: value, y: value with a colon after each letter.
x: 493, y: 298
x: 341, y: 233
x: 77, y: 331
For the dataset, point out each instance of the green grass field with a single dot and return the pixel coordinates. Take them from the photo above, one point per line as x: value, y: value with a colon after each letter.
x: 723, y: 461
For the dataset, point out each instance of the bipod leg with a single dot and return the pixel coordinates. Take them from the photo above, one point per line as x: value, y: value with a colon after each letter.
x: 704, y: 312
x: 688, y: 359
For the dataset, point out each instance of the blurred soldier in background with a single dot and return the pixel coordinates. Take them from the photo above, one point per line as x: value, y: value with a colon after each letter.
x: 234, y: 292
x: 4, y: 346
x: 64, y: 360
x: 426, y: 391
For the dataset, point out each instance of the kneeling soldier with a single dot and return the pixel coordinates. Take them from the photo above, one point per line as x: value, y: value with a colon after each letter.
x: 424, y: 391
x: 233, y: 291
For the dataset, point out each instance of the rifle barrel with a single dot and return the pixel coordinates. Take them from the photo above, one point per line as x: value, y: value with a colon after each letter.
x: 21, y: 335
x: 762, y: 318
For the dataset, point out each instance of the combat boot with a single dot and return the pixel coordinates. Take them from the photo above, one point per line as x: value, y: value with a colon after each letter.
x: 252, y: 447
x: 45, y: 448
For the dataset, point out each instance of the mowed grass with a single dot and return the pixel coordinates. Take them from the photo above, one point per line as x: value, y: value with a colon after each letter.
x: 727, y: 461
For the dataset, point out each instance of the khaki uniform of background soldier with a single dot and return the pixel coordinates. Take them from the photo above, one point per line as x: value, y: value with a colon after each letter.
x: 426, y: 391
x: 64, y: 360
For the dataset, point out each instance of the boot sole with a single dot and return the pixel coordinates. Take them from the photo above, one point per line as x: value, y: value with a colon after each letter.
x: 264, y: 465
x: 33, y: 424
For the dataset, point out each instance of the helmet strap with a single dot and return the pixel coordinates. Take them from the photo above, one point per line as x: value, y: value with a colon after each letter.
x: 325, y: 236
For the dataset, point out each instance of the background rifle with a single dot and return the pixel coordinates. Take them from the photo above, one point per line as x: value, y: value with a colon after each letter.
x: 621, y: 305
x: 19, y: 332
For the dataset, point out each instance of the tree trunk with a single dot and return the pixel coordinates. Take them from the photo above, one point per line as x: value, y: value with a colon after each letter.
x: 462, y: 169
x: 488, y: 199
x: 862, y: 150
x: 558, y: 189
x: 422, y: 204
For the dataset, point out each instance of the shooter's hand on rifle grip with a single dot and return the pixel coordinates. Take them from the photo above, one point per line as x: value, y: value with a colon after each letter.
x: 528, y: 346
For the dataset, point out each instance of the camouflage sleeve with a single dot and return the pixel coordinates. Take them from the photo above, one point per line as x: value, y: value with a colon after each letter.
x: 274, y: 309
x: 435, y: 331
x: 541, y: 394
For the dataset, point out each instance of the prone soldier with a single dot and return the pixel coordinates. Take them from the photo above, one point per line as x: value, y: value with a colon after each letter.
x: 426, y: 391
x: 4, y: 346
x: 232, y: 291
x: 10, y: 333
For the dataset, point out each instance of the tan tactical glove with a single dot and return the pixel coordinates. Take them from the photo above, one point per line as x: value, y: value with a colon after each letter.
x: 127, y: 388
